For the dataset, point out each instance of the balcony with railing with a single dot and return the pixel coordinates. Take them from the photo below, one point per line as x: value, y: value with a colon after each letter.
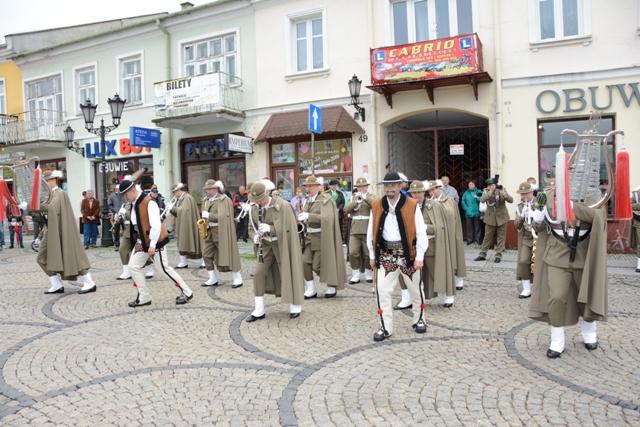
x: 31, y: 127
x: 207, y: 98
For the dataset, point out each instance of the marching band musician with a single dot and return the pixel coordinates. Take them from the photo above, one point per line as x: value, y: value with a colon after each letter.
x: 148, y: 237
x: 454, y: 233
x: 279, y: 270
x: 524, y: 216
x: 397, y: 242
x: 360, y: 209
x: 438, y: 271
x: 323, y: 244
x: 635, y: 230
x: 125, y: 248
x: 220, y: 245
x: 185, y: 211
x: 566, y: 289
x: 61, y: 255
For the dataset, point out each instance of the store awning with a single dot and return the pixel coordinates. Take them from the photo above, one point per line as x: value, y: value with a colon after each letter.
x: 295, y: 124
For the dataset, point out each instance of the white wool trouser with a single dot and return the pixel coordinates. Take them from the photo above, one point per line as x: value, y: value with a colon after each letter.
x: 136, y: 266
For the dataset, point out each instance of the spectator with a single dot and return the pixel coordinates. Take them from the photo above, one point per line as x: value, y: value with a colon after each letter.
x: 15, y: 229
x: 115, y: 202
x: 448, y: 190
x: 1, y: 235
x: 471, y: 207
x: 241, y: 197
x: 298, y: 200
x: 90, y: 209
x: 338, y: 197
x: 534, y: 185
x: 404, y: 186
x: 155, y: 195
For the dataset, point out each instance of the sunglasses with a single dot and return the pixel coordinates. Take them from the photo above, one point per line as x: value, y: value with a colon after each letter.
x: 154, y: 191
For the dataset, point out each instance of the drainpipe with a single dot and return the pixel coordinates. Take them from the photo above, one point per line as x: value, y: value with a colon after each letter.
x: 497, y: 36
x: 376, y: 137
x: 169, y: 139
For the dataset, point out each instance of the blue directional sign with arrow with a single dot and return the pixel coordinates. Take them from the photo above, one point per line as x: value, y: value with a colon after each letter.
x: 315, y: 119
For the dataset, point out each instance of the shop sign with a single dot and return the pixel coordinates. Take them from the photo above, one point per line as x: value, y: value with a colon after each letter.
x: 426, y: 60
x: 594, y: 97
x: 113, y: 148
x: 187, y: 92
x: 456, y: 149
x: 114, y: 166
x: 238, y: 143
x: 143, y: 137
x: 203, y: 150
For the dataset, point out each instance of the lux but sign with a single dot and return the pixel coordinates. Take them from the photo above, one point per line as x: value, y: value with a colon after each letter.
x: 124, y: 148
x: 577, y: 99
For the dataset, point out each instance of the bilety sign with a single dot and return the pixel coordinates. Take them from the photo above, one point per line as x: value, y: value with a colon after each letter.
x: 112, y: 148
x: 143, y: 137
x: 426, y: 60
x: 187, y: 92
x: 456, y: 149
x: 238, y: 143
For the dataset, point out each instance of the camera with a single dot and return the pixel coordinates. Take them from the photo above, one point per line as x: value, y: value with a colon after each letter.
x: 499, y: 186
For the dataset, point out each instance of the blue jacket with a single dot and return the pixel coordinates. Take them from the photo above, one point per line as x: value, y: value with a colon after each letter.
x: 470, y: 203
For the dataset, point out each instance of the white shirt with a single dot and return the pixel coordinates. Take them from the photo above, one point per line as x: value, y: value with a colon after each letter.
x: 391, y: 232
x: 154, y: 221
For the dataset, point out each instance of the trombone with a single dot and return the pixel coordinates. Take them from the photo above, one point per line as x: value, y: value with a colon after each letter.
x: 170, y: 204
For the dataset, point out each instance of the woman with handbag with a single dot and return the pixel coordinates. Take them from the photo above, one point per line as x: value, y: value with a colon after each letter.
x: 470, y: 203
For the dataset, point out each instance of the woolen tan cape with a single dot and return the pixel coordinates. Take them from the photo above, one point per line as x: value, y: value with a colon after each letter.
x: 332, y: 265
x: 591, y: 300
x: 186, y: 230
x: 228, y: 253
x: 454, y: 233
x: 286, y: 281
x: 61, y: 249
x: 439, y: 246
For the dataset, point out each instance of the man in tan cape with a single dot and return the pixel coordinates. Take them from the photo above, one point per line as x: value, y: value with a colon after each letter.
x: 635, y: 229
x: 565, y: 290
x: 186, y: 229
x: 523, y: 223
x: 454, y: 234
x: 495, y: 219
x: 438, y: 271
x: 61, y: 255
x: 323, y: 246
x: 279, y: 269
x: 220, y: 247
x: 359, y: 209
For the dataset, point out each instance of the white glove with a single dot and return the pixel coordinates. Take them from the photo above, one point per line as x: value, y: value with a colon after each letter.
x: 303, y: 216
x: 205, y: 214
x: 264, y: 228
x: 256, y: 239
x: 538, y: 216
x: 122, y: 211
x: 23, y: 206
x: 524, y: 213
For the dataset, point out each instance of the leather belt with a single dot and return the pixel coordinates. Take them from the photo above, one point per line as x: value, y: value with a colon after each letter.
x: 213, y: 224
x: 360, y: 217
x: 127, y: 223
x: 570, y: 232
x: 270, y: 239
x: 311, y: 230
x: 392, y: 245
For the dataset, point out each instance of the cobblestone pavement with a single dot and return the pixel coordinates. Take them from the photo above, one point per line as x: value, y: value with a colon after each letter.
x: 79, y: 360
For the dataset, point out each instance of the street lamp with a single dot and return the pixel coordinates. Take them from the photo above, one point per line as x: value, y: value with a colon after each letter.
x: 116, y: 104
x: 354, y: 91
x: 71, y: 144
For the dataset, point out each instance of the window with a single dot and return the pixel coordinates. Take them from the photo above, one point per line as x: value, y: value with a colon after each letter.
x: 308, y: 44
x: 419, y: 20
x: 559, y: 19
x: 85, y: 80
x: 131, y: 79
x: 549, y: 138
x: 212, y: 55
x: 44, y: 100
x: 3, y: 98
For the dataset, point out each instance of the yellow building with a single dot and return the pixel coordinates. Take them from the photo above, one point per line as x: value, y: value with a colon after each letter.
x: 10, y: 88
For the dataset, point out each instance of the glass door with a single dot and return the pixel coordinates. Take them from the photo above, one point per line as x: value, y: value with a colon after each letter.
x: 284, y: 178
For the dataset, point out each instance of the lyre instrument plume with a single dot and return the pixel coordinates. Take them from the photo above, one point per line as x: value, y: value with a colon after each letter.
x: 31, y: 188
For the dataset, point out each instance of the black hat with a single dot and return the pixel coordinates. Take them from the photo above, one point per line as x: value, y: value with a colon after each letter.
x: 126, y: 185
x: 391, y: 178
x: 333, y: 182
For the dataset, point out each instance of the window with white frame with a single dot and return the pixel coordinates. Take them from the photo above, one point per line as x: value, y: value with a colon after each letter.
x: 131, y: 79
x: 212, y: 55
x: 85, y: 86
x: 3, y: 98
x: 44, y: 99
x: 307, y: 35
x: 559, y: 19
x: 418, y: 20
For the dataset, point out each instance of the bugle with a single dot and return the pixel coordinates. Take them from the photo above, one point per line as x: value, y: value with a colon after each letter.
x: 170, y: 204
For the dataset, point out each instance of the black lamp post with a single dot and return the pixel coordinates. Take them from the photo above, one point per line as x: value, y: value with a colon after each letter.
x: 116, y: 104
x: 71, y: 144
x: 354, y: 91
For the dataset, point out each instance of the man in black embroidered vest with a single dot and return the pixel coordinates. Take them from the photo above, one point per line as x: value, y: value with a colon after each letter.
x: 397, y: 242
x: 148, y: 237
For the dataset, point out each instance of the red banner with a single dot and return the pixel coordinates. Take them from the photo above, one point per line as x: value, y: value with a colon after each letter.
x: 426, y: 60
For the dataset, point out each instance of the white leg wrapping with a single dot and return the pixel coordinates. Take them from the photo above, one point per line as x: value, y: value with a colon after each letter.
x: 406, y: 298
x: 638, y: 264
x: 237, y: 278
x: 87, y: 281
x: 459, y: 282
x: 213, y: 279
x: 149, y: 271
x: 330, y: 290
x: 309, y: 288
x: 368, y: 274
x: 589, y: 335
x: 202, y: 265
x: 126, y: 273
x: 526, y: 288
x: 448, y: 299
x: 259, y: 307
x: 355, y: 276
x: 56, y: 283
x: 293, y: 308
x: 557, y: 339
x: 183, y: 261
